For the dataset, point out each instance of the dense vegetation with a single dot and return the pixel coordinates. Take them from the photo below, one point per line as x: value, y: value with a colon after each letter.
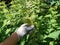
x: 44, y: 14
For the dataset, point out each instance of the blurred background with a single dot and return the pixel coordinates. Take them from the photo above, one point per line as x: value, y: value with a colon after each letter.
x: 44, y: 14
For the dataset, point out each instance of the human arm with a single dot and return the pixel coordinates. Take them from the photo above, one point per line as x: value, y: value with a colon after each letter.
x: 12, y: 40
x: 19, y: 33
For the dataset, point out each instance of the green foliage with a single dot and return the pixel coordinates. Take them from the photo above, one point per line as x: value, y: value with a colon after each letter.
x: 44, y: 14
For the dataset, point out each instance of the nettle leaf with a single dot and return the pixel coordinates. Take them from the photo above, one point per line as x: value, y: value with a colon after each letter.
x: 7, y: 31
x: 40, y: 17
x: 51, y: 43
x: 5, y: 22
x: 48, y: 15
x: 49, y: 30
x: 54, y: 35
x: 5, y: 10
x: 58, y: 3
x: 58, y: 28
x: 23, y: 42
x: 53, y: 20
x: 53, y: 2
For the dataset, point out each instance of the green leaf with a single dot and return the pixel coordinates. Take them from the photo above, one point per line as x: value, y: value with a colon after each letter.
x: 51, y: 43
x: 7, y: 31
x: 5, y: 22
x: 23, y: 42
x: 54, y: 35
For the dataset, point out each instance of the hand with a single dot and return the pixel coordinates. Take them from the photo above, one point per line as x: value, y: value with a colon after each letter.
x: 24, y: 29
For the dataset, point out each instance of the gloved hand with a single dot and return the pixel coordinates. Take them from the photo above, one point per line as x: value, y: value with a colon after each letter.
x: 24, y: 29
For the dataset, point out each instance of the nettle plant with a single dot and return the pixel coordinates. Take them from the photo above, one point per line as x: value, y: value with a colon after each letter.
x: 45, y: 16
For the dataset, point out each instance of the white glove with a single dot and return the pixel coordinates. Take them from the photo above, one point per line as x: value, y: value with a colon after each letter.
x: 24, y: 29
